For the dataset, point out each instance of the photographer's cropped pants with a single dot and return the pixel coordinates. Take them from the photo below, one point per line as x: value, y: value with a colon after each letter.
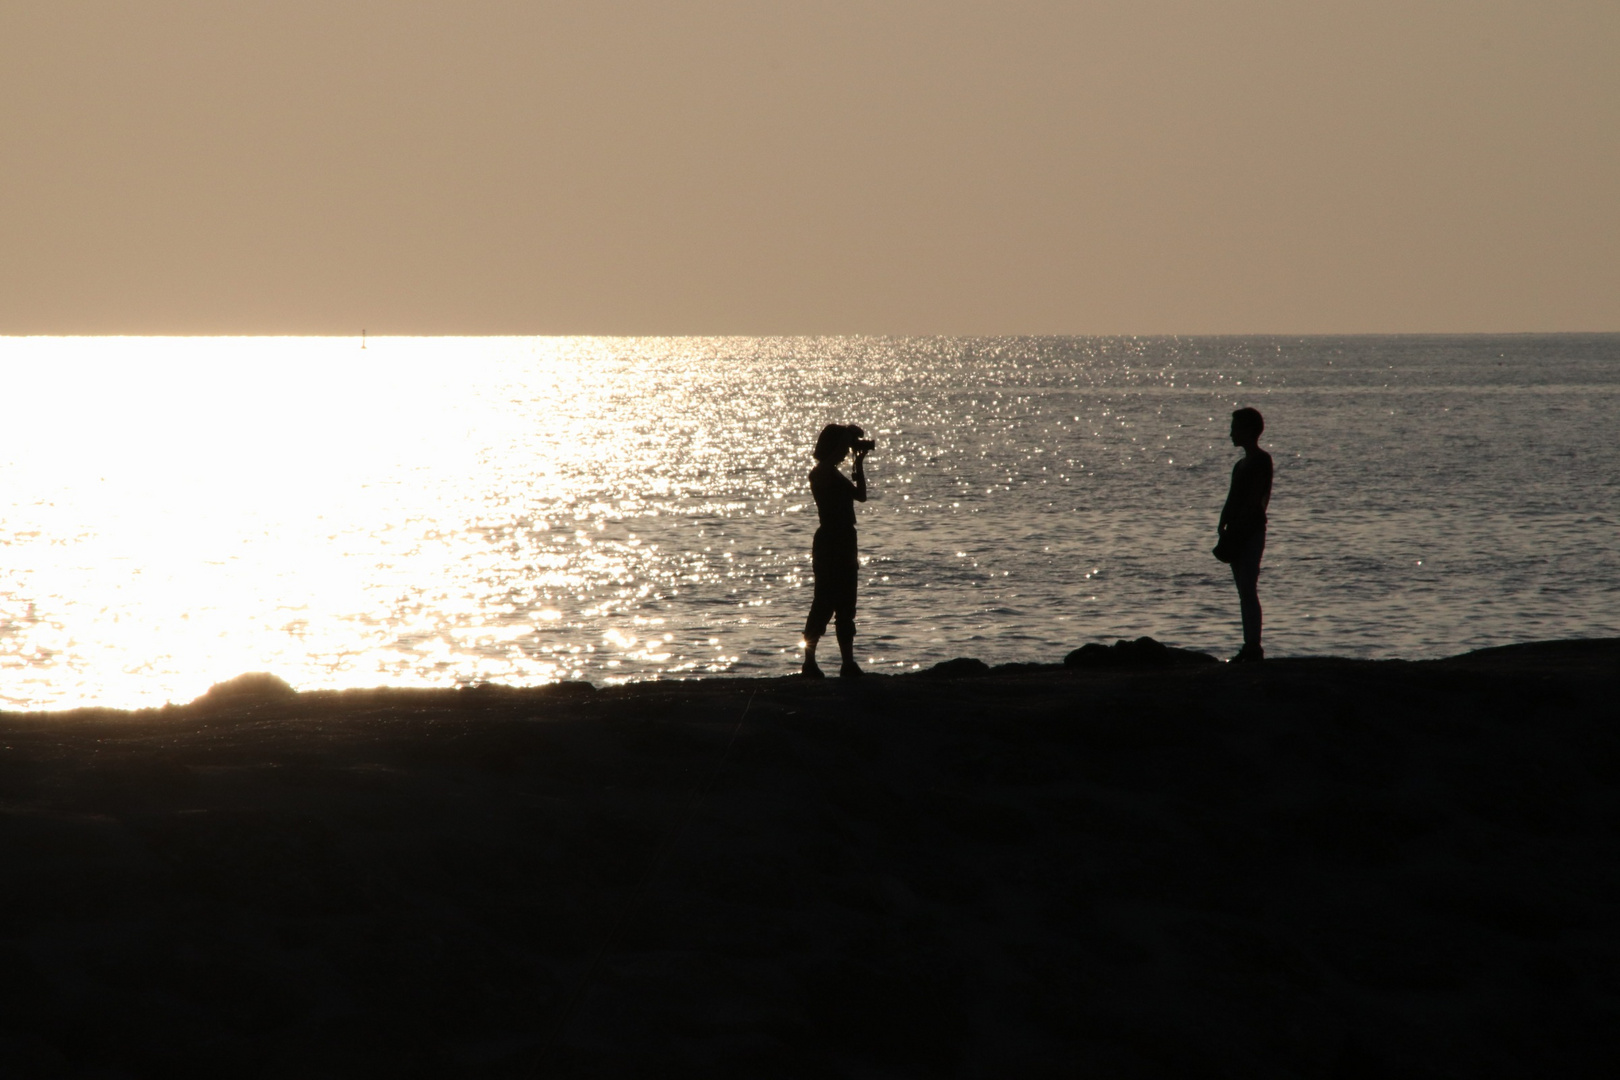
x: 836, y: 566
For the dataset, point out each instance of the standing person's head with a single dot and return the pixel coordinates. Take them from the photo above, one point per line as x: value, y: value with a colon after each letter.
x: 833, y: 443
x: 1247, y: 424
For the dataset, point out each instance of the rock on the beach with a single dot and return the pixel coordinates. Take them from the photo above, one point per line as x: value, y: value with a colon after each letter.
x: 1144, y: 652
x: 250, y: 687
x: 960, y: 668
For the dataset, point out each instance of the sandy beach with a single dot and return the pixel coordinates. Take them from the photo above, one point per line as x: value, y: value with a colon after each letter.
x: 1307, y: 867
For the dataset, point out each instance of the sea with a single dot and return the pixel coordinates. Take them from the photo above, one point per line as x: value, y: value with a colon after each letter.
x: 437, y: 512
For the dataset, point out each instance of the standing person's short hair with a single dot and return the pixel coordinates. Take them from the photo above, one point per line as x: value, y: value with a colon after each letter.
x: 1249, y: 420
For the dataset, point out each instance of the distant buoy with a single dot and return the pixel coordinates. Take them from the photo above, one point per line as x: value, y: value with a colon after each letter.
x: 362, y: 339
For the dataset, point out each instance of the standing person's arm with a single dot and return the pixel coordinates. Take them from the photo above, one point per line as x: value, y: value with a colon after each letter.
x: 860, y: 476
x: 1229, y: 508
x: 1243, y: 513
x: 1263, y: 495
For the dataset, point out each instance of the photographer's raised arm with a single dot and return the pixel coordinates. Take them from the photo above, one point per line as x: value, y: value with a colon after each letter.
x: 859, y: 474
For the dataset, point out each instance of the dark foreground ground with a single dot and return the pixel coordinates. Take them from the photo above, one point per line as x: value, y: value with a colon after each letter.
x: 1301, y: 868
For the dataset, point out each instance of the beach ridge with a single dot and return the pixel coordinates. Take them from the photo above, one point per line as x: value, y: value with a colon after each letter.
x: 1300, y: 866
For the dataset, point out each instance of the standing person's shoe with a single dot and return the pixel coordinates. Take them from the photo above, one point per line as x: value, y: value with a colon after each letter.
x: 811, y: 670
x: 850, y: 670
x: 1249, y: 654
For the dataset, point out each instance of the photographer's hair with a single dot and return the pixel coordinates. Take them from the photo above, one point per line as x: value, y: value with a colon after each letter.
x: 1248, y: 419
x: 833, y: 442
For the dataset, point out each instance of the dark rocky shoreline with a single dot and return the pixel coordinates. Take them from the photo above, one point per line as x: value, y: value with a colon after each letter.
x: 1308, y: 867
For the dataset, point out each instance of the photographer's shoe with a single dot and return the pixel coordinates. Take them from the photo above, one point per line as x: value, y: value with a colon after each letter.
x: 1249, y: 654
x: 811, y: 670
x: 850, y: 670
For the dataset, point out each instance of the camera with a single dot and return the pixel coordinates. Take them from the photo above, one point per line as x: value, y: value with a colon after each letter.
x: 863, y: 446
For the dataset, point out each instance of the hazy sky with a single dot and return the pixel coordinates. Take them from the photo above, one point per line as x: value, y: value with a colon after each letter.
x: 822, y: 166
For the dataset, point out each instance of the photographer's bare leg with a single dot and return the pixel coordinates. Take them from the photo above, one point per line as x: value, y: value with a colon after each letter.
x: 811, y: 670
x: 846, y: 649
x: 844, y: 622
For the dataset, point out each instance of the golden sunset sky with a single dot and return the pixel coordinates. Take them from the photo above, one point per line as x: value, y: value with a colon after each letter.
x: 495, y: 166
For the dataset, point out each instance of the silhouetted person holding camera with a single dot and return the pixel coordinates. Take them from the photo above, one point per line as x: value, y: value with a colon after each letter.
x: 833, y: 558
x: 1243, y: 525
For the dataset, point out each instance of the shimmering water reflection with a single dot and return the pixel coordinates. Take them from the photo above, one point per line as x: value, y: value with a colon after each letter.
x: 445, y: 511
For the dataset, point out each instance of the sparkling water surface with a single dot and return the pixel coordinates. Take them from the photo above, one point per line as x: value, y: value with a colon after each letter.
x: 435, y: 512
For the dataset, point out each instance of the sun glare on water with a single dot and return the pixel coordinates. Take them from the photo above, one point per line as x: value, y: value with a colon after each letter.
x: 183, y: 510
